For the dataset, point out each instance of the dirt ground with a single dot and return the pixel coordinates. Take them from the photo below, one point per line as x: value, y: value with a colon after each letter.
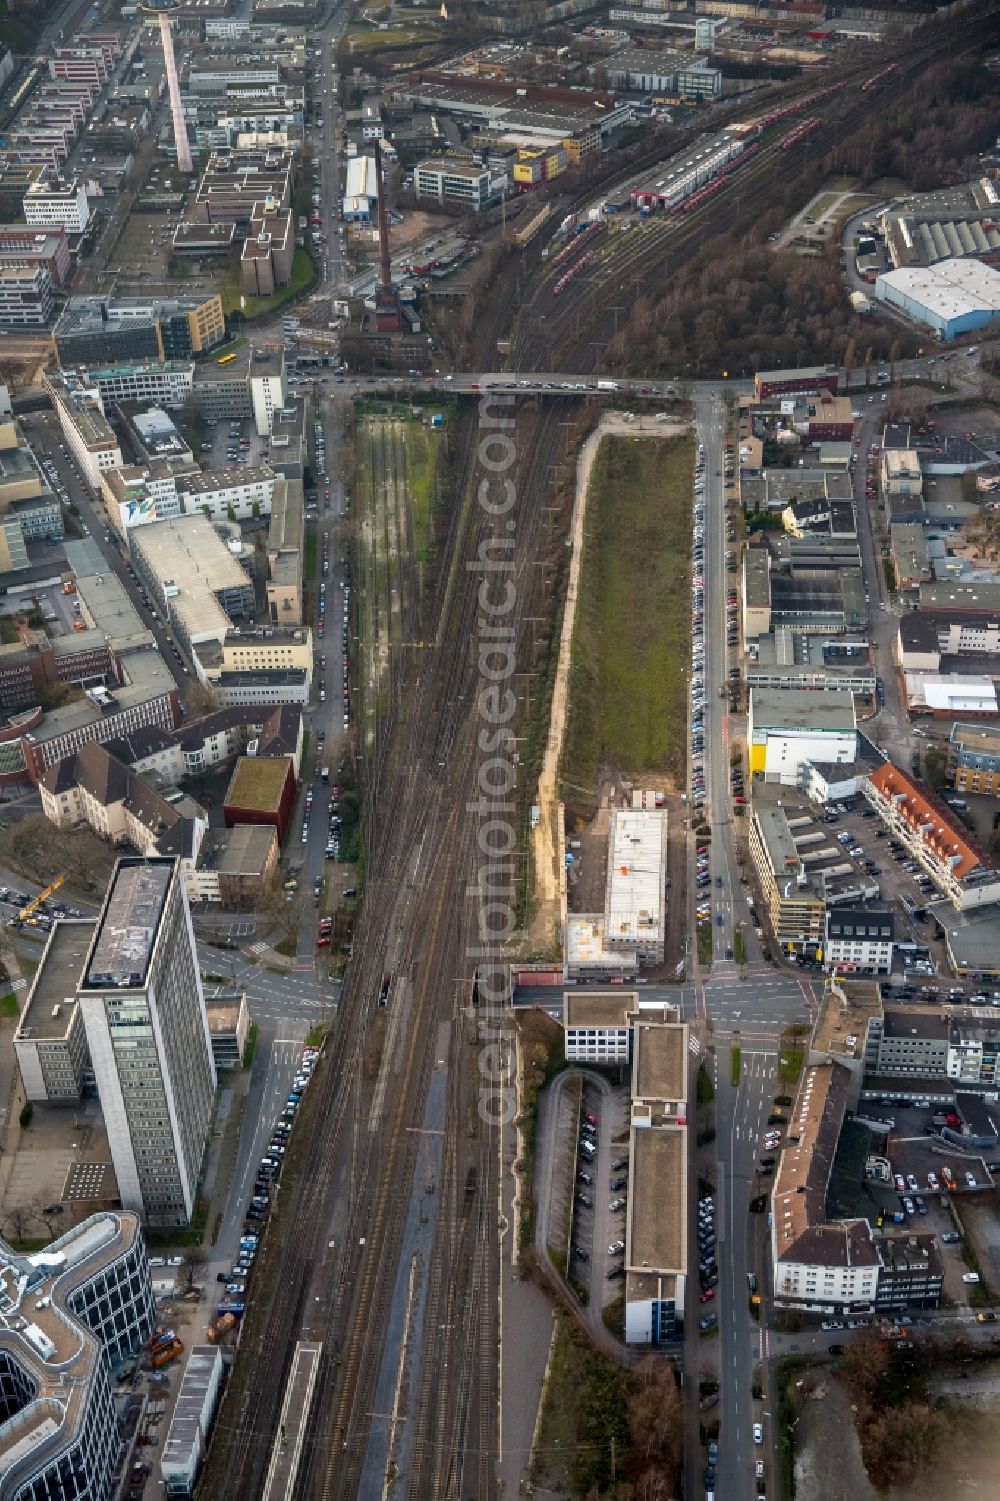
x: 981, y: 418
x: 828, y: 1464
x: 980, y: 1219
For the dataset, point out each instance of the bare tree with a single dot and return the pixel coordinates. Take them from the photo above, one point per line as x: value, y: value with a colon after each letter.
x: 190, y: 1269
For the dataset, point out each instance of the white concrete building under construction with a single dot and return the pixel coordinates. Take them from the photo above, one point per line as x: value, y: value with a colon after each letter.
x: 629, y: 933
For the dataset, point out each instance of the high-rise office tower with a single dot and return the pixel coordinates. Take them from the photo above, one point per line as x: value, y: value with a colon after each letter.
x: 162, y: 9
x: 144, y: 1012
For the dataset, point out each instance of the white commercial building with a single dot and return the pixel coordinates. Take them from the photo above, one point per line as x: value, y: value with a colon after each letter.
x: 168, y: 383
x: 267, y: 390
x: 453, y: 182
x: 788, y: 727
x: 89, y: 436
x: 62, y: 205
x: 597, y: 1025
x: 361, y: 190
x: 144, y: 1013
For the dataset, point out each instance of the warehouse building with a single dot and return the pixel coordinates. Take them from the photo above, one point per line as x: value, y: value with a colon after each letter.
x: 952, y: 298
x: 200, y: 585
x: 788, y: 727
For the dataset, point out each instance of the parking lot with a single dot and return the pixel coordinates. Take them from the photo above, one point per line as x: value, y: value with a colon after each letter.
x: 856, y: 828
x: 601, y: 1181
x: 232, y: 443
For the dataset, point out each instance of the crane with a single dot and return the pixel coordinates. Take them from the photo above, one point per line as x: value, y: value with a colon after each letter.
x: 42, y: 896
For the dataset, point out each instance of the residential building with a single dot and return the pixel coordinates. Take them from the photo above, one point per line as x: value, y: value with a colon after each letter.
x: 26, y: 295
x: 268, y: 250
x: 70, y: 1315
x: 911, y: 1274
x: 57, y: 205
x: 819, y: 1265
x: 908, y: 550
x: 452, y: 181
x: 900, y: 472
x: 89, y: 436
x: 261, y: 791
x: 788, y: 727
x: 974, y: 758
x: 147, y: 1033
x: 859, y: 940
x: 934, y: 837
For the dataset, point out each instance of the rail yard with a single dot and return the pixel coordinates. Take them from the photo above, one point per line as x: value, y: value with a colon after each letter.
x: 391, y: 1119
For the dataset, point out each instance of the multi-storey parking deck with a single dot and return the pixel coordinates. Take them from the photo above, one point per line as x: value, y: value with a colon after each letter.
x: 283, y: 1471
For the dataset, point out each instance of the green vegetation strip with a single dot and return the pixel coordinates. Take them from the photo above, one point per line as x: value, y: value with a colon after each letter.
x: 251, y: 1046
x: 628, y: 675
x: 735, y: 1065
x: 705, y: 944
x: 790, y: 1063
x: 9, y: 1006
x: 740, y: 946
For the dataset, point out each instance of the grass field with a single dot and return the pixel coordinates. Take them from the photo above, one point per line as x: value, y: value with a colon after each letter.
x: 584, y: 1425
x: 371, y: 39
x: 303, y: 272
x: 631, y: 642
x: 423, y: 446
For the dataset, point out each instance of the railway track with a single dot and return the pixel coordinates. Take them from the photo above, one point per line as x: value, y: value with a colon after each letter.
x: 330, y: 1275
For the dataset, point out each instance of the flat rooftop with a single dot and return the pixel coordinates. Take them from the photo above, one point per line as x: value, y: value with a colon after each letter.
x: 258, y: 782
x: 148, y: 677
x: 112, y: 611
x: 598, y: 1008
x: 656, y: 1235
x: 128, y: 925
x: 798, y: 709
x: 659, y: 1067
x: 845, y: 1011
x: 585, y: 946
x: 188, y: 552
x: 56, y: 980
x: 634, y: 899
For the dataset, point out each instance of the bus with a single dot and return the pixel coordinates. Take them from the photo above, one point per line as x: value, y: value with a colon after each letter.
x: 226, y: 359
